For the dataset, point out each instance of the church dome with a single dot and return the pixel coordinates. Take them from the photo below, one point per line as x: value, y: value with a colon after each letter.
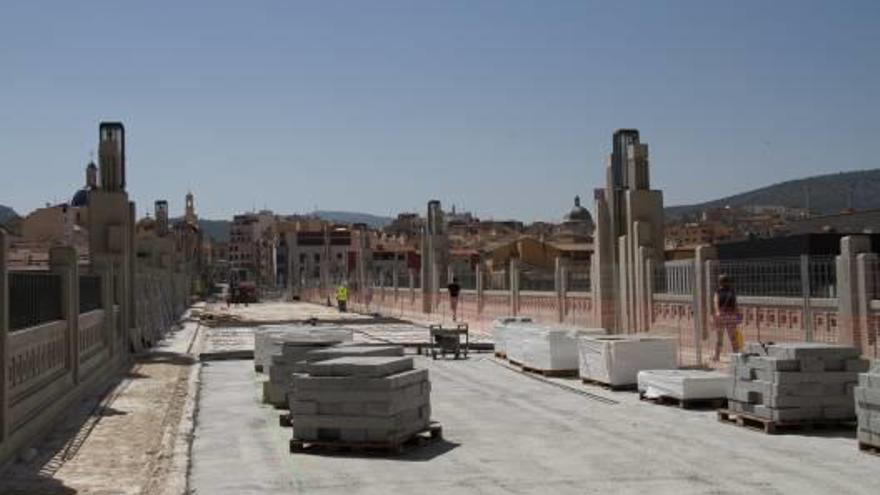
x: 80, y: 198
x: 578, y: 213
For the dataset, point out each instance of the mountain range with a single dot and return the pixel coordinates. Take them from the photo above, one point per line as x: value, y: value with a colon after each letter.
x: 826, y: 194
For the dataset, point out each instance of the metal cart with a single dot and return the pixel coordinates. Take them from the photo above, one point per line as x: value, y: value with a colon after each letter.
x: 449, y: 340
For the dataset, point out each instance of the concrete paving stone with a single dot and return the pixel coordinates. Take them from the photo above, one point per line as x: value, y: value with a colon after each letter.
x: 796, y: 378
x: 867, y: 395
x: 799, y: 350
x: 839, y: 412
x: 373, y: 409
x: 343, y: 383
x: 353, y: 351
x: 773, y: 364
x: 869, y: 422
x: 869, y: 380
x: 395, y: 421
x: 335, y: 395
x: 789, y: 414
x: 791, y: 401
x: 368, y: 367
x: 868, y: 437
x: 857, y: 365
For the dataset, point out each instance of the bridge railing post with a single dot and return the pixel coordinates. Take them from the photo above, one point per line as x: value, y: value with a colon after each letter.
x: 63, y: 260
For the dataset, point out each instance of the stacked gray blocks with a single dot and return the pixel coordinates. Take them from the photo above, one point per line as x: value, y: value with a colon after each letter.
x: 376, y: 400
x: 795, y: 382
x: 868, y: 406
x: 295, y: 356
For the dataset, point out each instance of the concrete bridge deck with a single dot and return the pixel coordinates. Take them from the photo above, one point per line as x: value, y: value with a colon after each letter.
x: 505, y: 432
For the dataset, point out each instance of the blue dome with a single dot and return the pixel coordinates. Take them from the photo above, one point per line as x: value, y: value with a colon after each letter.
x: 80, y: 199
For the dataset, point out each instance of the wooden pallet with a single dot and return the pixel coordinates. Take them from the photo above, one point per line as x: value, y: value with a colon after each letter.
x: 501, y: 355
x: 515, y: 363
x: 714, y: 403
x: 431, y: 434
x: 606, y: 386
x: 772, y: 427
x: 551, y: 373
x: 258, y: 368
x: 869, y: 448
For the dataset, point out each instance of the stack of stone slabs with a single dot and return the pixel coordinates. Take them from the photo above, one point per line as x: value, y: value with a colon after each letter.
x: 294, y: 344
x: 360, y: 400
x: 868, y: 407
x: 616, y: 360
x: 500, y: 331
x: 684, y: 385
x: 269, y: 339
x: 795, y: 382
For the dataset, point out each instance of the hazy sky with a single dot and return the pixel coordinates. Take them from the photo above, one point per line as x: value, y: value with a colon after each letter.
x: 503, y: 107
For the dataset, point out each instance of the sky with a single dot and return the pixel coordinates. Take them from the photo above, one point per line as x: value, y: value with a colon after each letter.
x: 505, y: 108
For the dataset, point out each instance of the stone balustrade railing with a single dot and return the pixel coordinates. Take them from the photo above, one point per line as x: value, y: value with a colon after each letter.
x: 62, y: 354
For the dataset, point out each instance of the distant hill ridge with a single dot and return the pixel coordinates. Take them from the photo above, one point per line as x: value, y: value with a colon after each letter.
x: 6, y: 214
x: 828, y: 194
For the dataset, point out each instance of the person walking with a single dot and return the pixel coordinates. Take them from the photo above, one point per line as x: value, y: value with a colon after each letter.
x: 726, y: 318
x: 342, y: 298
x: 454, y: 289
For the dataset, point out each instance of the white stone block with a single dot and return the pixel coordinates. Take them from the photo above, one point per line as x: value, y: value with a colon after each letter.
x: 617, y: 359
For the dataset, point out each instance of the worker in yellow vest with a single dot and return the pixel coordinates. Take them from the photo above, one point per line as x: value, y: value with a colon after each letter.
x: 342, y: 298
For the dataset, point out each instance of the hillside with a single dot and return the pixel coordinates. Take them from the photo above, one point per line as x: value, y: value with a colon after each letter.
x: 828, y: 194
x: 351, y: 217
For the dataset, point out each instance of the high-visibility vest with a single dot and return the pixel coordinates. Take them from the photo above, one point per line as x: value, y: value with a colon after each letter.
x: 342, y: 294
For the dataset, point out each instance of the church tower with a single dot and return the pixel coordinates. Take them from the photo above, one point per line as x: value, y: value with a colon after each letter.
x: 190, y: 215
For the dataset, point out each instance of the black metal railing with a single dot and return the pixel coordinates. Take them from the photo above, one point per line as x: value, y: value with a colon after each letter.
x: 34, y: 298
x: 89, y: 293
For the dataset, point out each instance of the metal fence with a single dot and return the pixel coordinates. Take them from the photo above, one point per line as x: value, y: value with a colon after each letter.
x: 34, y: 298
x: 498, y: 281
x: 674, y: 277
x: 578, y: 281
x: 781, y: 277
x: 537, y: 280
x: 89, y: 293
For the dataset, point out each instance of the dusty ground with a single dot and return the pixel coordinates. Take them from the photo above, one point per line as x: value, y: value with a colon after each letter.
x: 130, y: 441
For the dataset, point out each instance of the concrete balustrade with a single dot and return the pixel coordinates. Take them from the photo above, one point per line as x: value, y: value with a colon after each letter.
x: 47, y: 367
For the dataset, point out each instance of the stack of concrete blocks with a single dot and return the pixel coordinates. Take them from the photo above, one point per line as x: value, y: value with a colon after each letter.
x: 269, y: 340
x: 360, y: 400
x: 294, y: 347
x: 684, y: 385
x: 868, y: 407
x: 616, y: 360
x: 500, y: 332
x: 795, y: 382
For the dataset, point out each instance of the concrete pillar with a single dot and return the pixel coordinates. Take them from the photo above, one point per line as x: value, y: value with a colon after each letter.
x: 478, y: 274
x: 435, y: 287
x: 394, y: 278
x: 4, y: 337
x: 104, y: 269
x: 650, y: 268
x: 702, y: 271
x: 866, y: 264
x: 514, y: 286
x: 849, y: 310
x: 806, y: 291
x: 63, y: 261
x: 412, y: 285
x: 560, y: 275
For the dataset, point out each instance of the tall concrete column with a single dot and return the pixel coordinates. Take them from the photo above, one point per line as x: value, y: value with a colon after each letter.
x: 63, y: 261
x: 412, y: 285
x: 4, y: 337
x: 104, y: 269
x: 560, y: 274
x: 478, y: 274
x: 866, y: 263
x: 394, y: 278
x: 702, y: 297
x: 850, y: 311
x: 514, y: 286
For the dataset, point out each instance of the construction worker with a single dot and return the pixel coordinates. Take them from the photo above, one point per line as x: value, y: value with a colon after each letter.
x: 342, y: 298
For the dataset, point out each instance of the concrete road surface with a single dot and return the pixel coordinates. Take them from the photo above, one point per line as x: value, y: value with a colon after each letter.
x: 508, y: 433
